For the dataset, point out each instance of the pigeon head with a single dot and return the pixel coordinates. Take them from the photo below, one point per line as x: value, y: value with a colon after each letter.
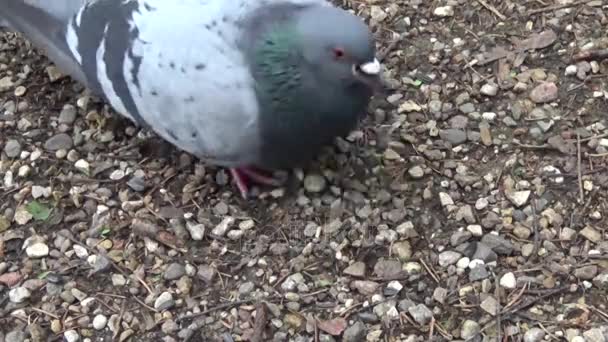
x: 339, y: 45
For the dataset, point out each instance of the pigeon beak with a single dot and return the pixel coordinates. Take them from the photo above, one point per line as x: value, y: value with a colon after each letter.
x: 369, y: 74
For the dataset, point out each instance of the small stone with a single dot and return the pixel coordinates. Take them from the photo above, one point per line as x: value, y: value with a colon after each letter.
x: 197, y: 231
x: 570, y: 70
x: 246, y: 288
x: 22, y: 216
x: 420, y: 313
x: 490, y: 305
x: 386, y: 309
x: 164, y: 301
x: 99, y: 322
x: 444, y: 11
x: 409, y: 106
x: 453, y: 136
x: 356, y: 269
x: 314, y: 183
x: 448, y: 258
x: 80, y: 251
x: 355, y: 333
x: 416, y: 172
x: 19, y: 294
x: 518, y: 198
x: 445, y: 199
x: 71, y: 336
x: 463, y: 263
x: 498, y: 244
x: 14, y: 336
x: 222, y: 228
x: 67, y: 115
x: 594, y: 335
x: 294, y: 321
x: 475, y: 230
x: 470, y: 329
x: 440, y: 294
x: 586, y: 272
x: 534, y: 335
x: 83, y: 166
x: 61, y: 141
x: 118, y: 280
x: 544, y: 92
x: 12, y: 148
x: 40, y: 191
x: 402, y: 249
x: 56, y: 326
x: 6, y: 83
x: 54, y: 73
x: 37, y: 250
x: 489, y: 89
x: 235, y: 234
x: 292, y: 282
x: 459, y: 237
x: 174, y: 271
x: 387, y: 268
x: 365, y: 287
x: 478, y: 271
x: 508, y: 281
x: 591, y: 234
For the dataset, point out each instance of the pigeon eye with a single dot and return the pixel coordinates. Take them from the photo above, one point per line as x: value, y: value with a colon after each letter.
x: 338, y: 53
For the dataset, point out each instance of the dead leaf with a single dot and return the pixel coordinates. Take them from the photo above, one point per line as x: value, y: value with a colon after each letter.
x: 536, y: 41
x: 10, y: 279
x: 169, y: 239
x: 334, y: 327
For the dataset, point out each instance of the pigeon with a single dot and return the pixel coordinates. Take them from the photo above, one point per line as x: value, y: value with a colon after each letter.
x: 253, y: 86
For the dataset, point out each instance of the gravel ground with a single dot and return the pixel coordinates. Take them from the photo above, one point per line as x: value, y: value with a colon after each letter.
x: 470, y: 205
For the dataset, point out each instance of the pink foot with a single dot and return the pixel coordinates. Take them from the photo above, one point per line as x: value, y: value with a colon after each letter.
x: 242, y: 174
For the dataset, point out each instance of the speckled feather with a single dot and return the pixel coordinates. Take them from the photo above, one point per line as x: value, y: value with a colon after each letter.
x: 191, y: 71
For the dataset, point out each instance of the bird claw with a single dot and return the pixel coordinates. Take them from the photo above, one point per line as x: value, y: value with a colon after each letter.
x: 240, y: 176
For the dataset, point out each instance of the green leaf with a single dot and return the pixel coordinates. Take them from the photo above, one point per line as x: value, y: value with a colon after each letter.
x: 43, y: 275
x: 39, y: 211
x: 105, y: 231
x: 417, y: 83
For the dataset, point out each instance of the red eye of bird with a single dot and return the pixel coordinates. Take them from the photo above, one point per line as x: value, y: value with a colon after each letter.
x: 339, y: 53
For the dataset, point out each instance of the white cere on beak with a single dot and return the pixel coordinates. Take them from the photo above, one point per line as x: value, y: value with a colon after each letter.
x: 371, y: 68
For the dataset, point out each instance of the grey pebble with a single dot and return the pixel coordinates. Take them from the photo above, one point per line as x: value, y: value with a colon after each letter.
x: 12, y: 148
x: 174, y: 271
x: 61, y: 141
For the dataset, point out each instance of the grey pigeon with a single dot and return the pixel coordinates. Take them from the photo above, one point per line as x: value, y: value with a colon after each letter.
x: 250, y: 85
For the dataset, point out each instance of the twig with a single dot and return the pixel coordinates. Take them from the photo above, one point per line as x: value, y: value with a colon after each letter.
x: 492, y: 9
x: 557, y: 7
x: 498, y: 318
x: 390, y: 47
x: 428, y: 269
x: 260, y: 322
x: 536, y: 300
x: 119, y: 321
x: 535, y: 227
x: 578, y: 166
x: 46, y: 313
x: 535, y: 147
x: 591, y: 54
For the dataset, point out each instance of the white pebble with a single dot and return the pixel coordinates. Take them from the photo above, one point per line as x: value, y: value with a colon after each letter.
x: 71, y: 336
x: 508, y: 281
x: 463, y: 263
x: 37, y: 250
x: 571, y: 70
x: 99, y: 322
x: 19, y: 294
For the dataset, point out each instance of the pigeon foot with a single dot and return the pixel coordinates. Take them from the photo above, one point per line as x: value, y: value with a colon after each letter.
x: 242, y: 174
